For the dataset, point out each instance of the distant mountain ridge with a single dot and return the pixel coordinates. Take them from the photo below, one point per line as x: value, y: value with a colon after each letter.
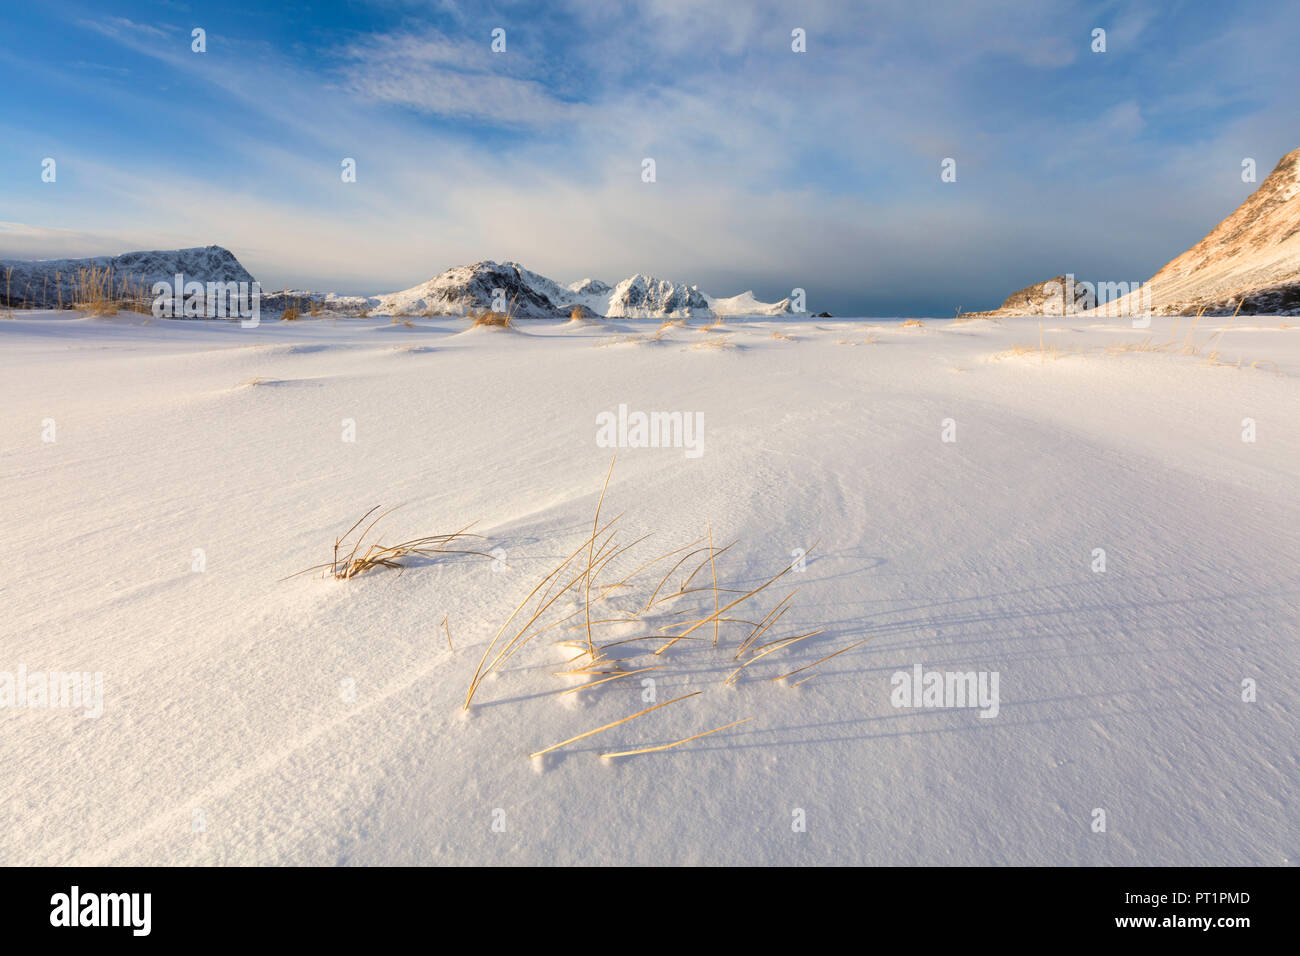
x: 465, y: 289
x: 461, y: 290
x: 44, y: 283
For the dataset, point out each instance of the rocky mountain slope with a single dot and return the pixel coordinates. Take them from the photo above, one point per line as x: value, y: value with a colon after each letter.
x: 1250, y: 260
x: 44, y: 283
x: 1253, y: 255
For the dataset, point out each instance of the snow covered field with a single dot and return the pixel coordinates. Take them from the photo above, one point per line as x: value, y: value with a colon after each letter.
x: 253, y: 719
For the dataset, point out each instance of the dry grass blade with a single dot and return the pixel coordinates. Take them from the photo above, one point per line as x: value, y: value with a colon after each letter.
x: 624, y: 720
x: 714, y: 568
x: 743, y: 597
x: 700, y: 567
x: 655, y: 593
x: 1187, y: 342
x: 586, y: 581
x: 651, y: 562
x: 519, y: 640
x: 823, y: 660
x: 675, y: 743
x: 766, y: 623
x: 646, y: 637
x: 641, y: 670
x: 447, y: 629
x: 484, y: 668
x: 776, y: 646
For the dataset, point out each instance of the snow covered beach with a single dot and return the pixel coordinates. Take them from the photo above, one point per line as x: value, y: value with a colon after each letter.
x: 163, y: 479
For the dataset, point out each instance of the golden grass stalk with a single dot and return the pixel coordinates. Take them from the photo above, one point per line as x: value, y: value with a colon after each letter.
x: 624, y: 720
x: 642, y: 670
x: 714, y: 568
x: 655, y: 593
x: 480, y: 672
x: 644, y: 637
x: 700, y: 567
x: 823, y: 660
x: 1187, y: 341
x: 653, y: 561
x: 776, y: 646
x: 589, y: 667
x: 544, y: 603
x: 743, y: 597
x: 762, y: 626
x: 447, y: 629
x: 586, y: 581
x: 1212, y: 355
x: 675, y: 743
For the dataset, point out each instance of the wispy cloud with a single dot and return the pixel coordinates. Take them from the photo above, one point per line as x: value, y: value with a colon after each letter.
x: 774, y: 169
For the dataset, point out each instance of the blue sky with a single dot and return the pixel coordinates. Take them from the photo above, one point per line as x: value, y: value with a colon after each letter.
x: 775, y: 169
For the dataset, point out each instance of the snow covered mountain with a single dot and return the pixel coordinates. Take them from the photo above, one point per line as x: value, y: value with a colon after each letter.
x: 43, y: 283
x: 647, y: 297
x: 458, y: 291
x: 466, y: 289
x: 746, y: 304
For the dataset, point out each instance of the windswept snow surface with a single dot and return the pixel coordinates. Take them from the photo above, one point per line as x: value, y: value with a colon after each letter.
x: 252, y: 719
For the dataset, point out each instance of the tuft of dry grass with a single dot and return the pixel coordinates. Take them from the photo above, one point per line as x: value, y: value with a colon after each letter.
x: 716, y: 342
x: 495, y: 320
x: 291, y: 314
x: 579, y: 595
x: 345, y: 566
x: 1052, y: 352
x: 92, y: 291
x: 913, y: 324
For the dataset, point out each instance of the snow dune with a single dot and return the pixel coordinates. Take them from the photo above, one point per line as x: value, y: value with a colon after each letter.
x: 252, y: 719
